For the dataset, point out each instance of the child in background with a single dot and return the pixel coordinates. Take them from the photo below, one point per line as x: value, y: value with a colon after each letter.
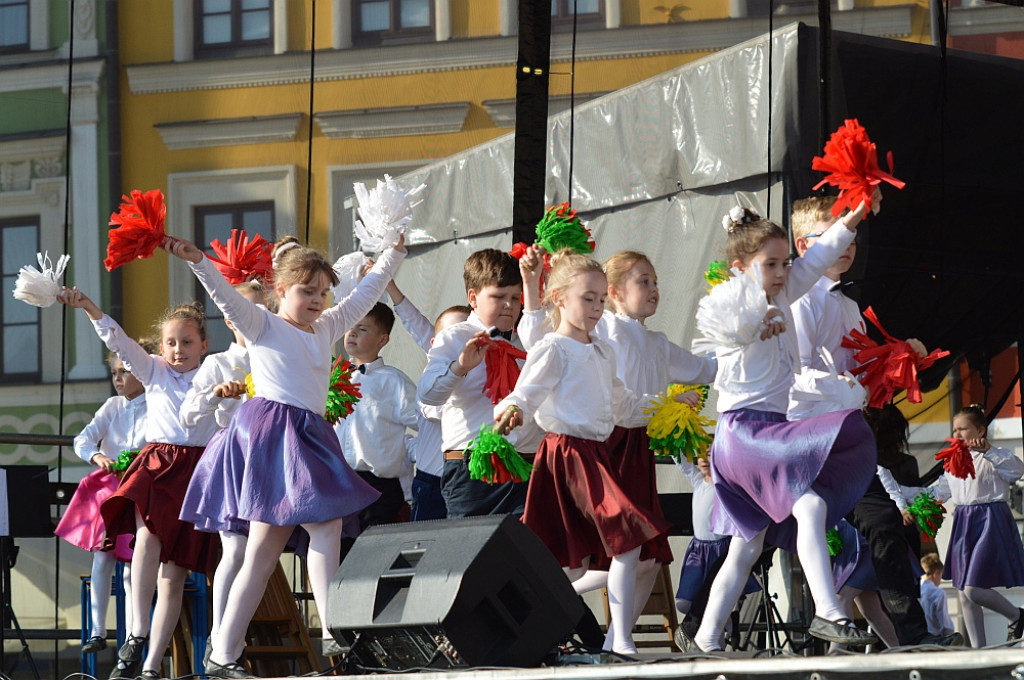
x: 211, y: 501
x: 462, y: 366
x: 119, y: 425
x: 153, y: 487
x: 933, y: 600
x: 294, y: 472
x: 569, y: 388
x: 373, y: 435
x: 425, y: 448
x: 985, y: 549
x: 646, y: 362
x: 856, y: 584
x: 773, y: 476
x: 706, y: 547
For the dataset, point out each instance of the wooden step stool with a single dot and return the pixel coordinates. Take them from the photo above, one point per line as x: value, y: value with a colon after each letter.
x: 661, y: 602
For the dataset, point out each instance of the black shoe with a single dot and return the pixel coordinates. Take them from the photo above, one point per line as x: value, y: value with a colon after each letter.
x: 953, y: 640
x: 129, y: 658
x: 841, y: 632
x: 684, y: 639
x: 148, y: 675
x: 209, y: 650
x: 1016, y: 629
x: 94, y: 644
x: 228, y: 670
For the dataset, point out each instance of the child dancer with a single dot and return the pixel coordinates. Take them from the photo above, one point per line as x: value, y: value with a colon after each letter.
x: 985, y: 549
x: 568, y: 386
x: 646, y: 361
x: 150, y: 494
x: 775, y: 478
x: 294, y: 472
x: 211, y: 500
x: 119, y: 425
x: 856, y: 583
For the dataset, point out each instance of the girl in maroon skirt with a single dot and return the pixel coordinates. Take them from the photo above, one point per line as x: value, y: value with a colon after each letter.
x: 574, y: 501
x: 153, y: 487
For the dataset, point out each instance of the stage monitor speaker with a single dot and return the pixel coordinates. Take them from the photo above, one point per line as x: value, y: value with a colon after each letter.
x: 481, y: 591
x: 25, y: 501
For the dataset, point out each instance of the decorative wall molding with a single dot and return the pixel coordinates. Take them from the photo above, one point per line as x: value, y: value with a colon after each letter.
x: 229, y: 131
x: 503, y: 111
x: 394, y: 121
x: 24, y: 160
x: 41, y: 76
x: 450, y: 55
x: 985, y: 19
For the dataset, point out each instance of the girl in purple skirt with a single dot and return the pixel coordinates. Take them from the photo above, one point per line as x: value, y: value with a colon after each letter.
x: 985, y: 549
x: 779, y: 481
x: 293, y: 472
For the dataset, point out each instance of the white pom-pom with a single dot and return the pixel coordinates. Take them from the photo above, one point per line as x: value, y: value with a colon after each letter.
x: 40, y: 287
x: 734, y: 215
x: 731, y: 315
x: 817, y: 392
x: 384, y: 211
x: 349, y: 269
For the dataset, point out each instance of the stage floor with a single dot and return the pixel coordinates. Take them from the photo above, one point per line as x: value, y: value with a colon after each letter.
x: 958, y: 664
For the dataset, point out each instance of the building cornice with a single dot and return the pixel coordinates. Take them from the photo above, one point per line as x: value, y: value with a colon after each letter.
x: 229, y: 131
x: 451, y: 55
x: 985, y: 19
x: 40, y: 76
x: 393, y: 121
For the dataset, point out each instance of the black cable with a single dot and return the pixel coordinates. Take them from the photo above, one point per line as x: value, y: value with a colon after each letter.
x: 572, y: 100
x: 309, y: 130
x: 771, y: 34
x: 64, y: 311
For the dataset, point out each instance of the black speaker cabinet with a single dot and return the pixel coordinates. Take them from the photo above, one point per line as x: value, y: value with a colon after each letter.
x: 481, y: 591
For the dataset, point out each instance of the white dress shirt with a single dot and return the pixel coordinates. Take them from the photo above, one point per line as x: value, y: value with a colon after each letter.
x: 289, y: 365
x: 373, y: 435
x: 936, y: 609
x: 570, y: 387
x: 646, y: 361
x: 200, y: 401
x: 703, y: 501
x: 165, y: 388
x: 758, y: 376
x: 425, y: 448
x: 465, y: 407
x: 822, y: 318
x: 119, y: 425
x: 994, y: 471
x: 903, y: 495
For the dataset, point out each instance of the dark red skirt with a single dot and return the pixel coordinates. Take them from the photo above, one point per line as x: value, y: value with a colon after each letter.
x: 633, y: 461
x: 155, y: 483
x: 577, y: 507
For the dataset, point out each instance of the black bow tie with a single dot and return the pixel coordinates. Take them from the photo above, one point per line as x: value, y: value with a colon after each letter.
x: 505, y: 334
x: 841, y: 286
x: 361, y: 368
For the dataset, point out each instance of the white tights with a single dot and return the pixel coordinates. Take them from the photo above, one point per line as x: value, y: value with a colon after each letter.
x: 870, y: 605
x: 167, y: 581
x: 262, y: 553
x: 103, y: 564
x: 809, y: 512
x: 232, y: 556
x: 972, y: 602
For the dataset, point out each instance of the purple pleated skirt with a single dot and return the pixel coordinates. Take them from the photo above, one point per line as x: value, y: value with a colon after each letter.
x: 985, y: 549
x: 853, y: 566
x: 761, y: 464
x: 211, y: 501
x: 286, y: 466
x: 700, y: 557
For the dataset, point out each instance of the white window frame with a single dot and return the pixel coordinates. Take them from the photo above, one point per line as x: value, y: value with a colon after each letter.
x: 186, y: 190
x: 184, y: 29
x: 341, y: 213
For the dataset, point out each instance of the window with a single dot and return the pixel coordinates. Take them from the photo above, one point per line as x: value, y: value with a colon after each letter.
x: 14, y: 35
x: 233, y: 27
x: 588, y: 12
x: 20, y: 339
x: 377, y: 22
x: 216, y: 222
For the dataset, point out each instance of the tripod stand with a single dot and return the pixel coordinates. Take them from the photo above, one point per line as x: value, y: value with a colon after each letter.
x: 766, y: 619
x: 8, y: 556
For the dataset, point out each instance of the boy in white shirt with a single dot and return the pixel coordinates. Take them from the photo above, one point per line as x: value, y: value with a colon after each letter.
x: 373, y: 435
x: 933, y: 599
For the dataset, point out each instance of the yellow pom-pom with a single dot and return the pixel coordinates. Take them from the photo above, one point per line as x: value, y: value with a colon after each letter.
x: 677, y: 429
x: 250, y: 386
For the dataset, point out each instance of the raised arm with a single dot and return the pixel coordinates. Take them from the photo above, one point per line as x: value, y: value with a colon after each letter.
x: 419, y: 326
x: 806, y: 270
x: 361, y: 300
x: 135, y: 358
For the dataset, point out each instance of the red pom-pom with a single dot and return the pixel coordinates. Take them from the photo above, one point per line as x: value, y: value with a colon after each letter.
x: 242, y: 260
x: 851, y: 159
x: 138, y: 228
x: 518, y: 250
x: 502, y: 369
x: 956, y: 459
x: 888, y: 368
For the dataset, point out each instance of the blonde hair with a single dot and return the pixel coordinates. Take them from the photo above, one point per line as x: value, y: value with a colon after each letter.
x: 618, y: 265
x: 748, y: 235
x: 263, y: 296
x: 296, y: 263
x: 566, y: 265
x: 931, y: 563
x: 807, y: 212
x: 190, y: 311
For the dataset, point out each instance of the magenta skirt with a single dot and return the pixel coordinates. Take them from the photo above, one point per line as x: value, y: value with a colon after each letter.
x: 82, y: 524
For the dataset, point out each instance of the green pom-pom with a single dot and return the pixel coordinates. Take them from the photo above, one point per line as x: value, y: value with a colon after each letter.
x: 123, y: 461
x: 717, y: 273
x: 494, y: 460
x: 927, y: 512
x: 561, y: 228
x: 835, y: 542
x: 343, y: 395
